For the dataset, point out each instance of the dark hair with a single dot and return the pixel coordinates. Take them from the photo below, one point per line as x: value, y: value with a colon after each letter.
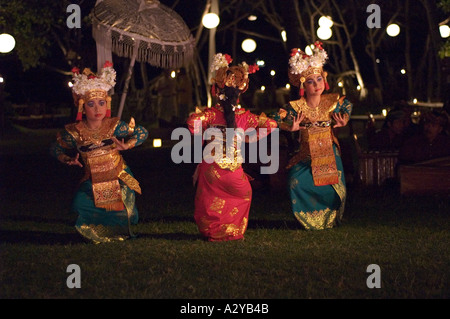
x: 231, y: 96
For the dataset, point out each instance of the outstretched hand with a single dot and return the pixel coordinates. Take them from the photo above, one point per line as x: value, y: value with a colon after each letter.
x: 297, y: 120
x: 74, y: 161
x: 121, y: 145
x: 341, y: 119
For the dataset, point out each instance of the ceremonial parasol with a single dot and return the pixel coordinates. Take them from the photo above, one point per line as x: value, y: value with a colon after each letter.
x: 142, y: 30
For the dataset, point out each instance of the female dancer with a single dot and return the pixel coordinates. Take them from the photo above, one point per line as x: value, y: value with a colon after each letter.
x: 316, y: 178
x: 105, y: 200
x: 224, y: 193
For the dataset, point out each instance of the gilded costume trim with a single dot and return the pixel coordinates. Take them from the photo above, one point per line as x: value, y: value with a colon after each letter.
x: 317, y: 142
x: 104, y: 164
x: 244, y: 120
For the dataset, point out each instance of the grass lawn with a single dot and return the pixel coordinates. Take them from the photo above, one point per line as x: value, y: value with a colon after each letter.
x: 406, y: 237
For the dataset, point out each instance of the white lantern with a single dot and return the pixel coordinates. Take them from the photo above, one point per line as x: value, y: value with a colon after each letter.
x: 283, y: 35
x: 324, y: 33
x: 7, y: 43
x: 157, y: 142
x: 248, y: 45
x: 210, y: 20
x: 325, y: 22
x: 444, y: 30
x: 393, y: 30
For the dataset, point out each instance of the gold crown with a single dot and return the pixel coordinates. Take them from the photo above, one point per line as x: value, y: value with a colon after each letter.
x: 95, y: 94
x: 309, y: 72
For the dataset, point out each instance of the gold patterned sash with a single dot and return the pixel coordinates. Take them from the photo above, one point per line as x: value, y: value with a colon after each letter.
x: 104, y: 164
x: 106, y: 168
x: 323, y: 162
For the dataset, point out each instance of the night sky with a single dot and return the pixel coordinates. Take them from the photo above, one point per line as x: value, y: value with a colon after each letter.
x: 43, y: 85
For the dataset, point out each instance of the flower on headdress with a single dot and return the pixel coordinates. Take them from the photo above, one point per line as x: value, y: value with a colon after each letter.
x: 253, y: 68
x: 104, y: 80
x: 295, y: 51
x: 228, y: 58
x: 107, y: 64
x: 318, y: 44
x: 75, y: 70
x: 300, y: 61
x: 220, y: 61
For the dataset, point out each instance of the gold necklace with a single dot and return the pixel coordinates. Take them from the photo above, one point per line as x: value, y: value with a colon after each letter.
x: 311, y: 112
x: 94, y: 134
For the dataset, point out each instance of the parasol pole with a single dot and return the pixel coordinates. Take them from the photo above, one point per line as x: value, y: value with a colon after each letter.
x: 127, y: 80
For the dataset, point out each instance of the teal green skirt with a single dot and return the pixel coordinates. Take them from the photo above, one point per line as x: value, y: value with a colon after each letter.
x: 99, y: 225
x: 316, y: 207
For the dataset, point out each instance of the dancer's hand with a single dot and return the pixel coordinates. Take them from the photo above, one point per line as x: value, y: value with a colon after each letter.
x: 297, y: 120
x: 341, y: 119
x: 121, y: 145
x: 73, y: 161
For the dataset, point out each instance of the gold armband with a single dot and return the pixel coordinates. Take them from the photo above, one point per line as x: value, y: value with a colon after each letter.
x: 131, y: 126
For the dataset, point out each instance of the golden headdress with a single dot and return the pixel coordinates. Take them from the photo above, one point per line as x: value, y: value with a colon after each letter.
x: 302, y: 65
x: 88, y: 86
x: 235, y: 76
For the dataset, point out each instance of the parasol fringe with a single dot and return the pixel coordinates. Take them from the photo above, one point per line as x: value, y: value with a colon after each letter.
x: 165, y: 56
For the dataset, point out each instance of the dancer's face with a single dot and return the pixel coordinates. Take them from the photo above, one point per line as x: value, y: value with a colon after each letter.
x: 314, y: 84
x: 95, y: 109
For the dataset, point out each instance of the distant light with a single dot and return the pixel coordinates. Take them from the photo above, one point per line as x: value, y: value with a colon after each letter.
x: 252, y: 17
x: 70, y: 84
x: 1, y: 79
x: 324, y: 33
x: 272, y: 72
x: 157, y: 142
x: 288, y: 86
x: 377, y: 60
x: 393, y: 30
x: 444, y: 30
x: 384, y: 112
x: 308, y: 50
x: 263, y: 88
x: 283, y: 35
x: 173, y: 74
x: 260, y: 63
x: 358, y: 87
x: 210, y: 20
x: 415, y: 101
x: 7, y: 43
x: 248, y: 45
x: 340, y: 84
x: 403, y: 71
x: 325, y: 22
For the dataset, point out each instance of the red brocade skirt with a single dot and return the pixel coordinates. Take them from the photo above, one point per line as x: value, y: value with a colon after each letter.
x: 222, y: 202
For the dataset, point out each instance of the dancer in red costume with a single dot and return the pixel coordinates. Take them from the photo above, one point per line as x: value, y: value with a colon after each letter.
x: 224, y: 193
